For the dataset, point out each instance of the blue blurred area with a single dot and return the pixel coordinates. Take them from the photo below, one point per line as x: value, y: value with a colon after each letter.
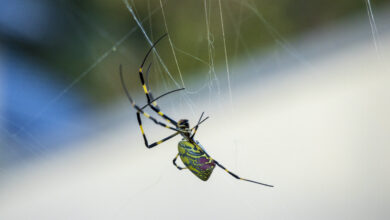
x: 27, y: 20
x: 32, y: 122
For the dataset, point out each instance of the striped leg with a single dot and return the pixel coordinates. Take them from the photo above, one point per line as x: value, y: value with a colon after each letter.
x: 155, y: 99
x: 237, y: 177
x: 139, y: 110
x: 149, y: 96
x: 174, y: 163
x: 140, y: 121
x: 146, y: 140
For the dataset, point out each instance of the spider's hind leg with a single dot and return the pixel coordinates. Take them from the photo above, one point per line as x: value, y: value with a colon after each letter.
x: 239, y: 178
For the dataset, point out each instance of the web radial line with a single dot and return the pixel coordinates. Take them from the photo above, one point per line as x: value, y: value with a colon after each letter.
x: 275, y: 33
x: 374, y: 30
x: 210, y: 46
x: 187, y: 99
x: 18, y: 141
x: 192, y: 56
x: 238, y: 30
x: 226, y: 57
x: 15, y: 138
x: 172, y: 47
x: 81, y: 76
x: 150, y: 42
x: 239, y: 39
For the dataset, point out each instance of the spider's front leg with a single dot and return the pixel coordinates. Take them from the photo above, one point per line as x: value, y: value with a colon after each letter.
x: 145, y: 86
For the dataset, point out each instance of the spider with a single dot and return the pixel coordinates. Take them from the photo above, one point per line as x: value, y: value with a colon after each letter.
x: 192, y: 154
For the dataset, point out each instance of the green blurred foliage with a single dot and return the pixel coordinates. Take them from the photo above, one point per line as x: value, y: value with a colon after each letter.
x: 95, y: 25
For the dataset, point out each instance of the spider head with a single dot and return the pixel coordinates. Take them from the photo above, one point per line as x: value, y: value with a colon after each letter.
x: 184, y: 125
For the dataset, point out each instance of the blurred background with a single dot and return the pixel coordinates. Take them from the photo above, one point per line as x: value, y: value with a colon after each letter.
x: 297, y: 93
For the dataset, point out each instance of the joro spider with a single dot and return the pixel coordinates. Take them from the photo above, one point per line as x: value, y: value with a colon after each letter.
x: 192, y: 154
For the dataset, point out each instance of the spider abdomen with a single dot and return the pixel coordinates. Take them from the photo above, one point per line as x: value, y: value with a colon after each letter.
x: 196, y: 159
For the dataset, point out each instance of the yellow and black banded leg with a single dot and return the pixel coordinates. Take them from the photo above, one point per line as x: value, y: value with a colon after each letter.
x: 155, y: 99
x: 146, y: 140
x: 149, y: 98
x: 174, y: 163
x: 161, y: 141
x: 239, y: 178
x: 139, y: 110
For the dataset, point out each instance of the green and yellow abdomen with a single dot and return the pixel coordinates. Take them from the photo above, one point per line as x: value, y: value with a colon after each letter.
x: 196, y: 159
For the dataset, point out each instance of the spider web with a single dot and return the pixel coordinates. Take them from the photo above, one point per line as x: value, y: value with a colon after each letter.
x: 215, y: 78
x: 219, y: 81
x: 374, y: 29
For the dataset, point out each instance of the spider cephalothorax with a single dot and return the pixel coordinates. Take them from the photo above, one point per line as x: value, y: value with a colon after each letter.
x: 192, y: 154
x: 184, y: 126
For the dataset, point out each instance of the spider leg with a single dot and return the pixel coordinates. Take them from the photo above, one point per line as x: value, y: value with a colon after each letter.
x: 174, y: 163
x: 146, y: 140
x: 139, y: 110
x: 195, y: 128
x: 167, y: 93
x: 239, y: 178
x: 197, y: 125
x: 149, y: 96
